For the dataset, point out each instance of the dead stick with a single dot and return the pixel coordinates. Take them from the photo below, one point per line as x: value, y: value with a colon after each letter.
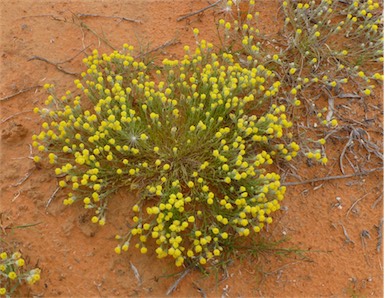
x: 73, y: 57
x: 198, y: 11
x: 21, y: 181
x: 52, y: 197
x: 19, y: 92
x: 14, y: 115
x: 166, y: 44
x: 380, y: 197
x: 176, y: 283
x: 355, y: 203
x: 332, y: 177
x: 348, y: 240
x: 136, y: 273
x: 344, y: 151
x: 84, y: 25
x: 85, y: 15
x: 52, y: 63
x: 56, y: 18
x: 379, y: 230
x: 200, y: 290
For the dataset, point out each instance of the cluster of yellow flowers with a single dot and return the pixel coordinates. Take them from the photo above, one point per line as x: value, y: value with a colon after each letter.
x: 361, y: 32
x: 326, y: 45
x: 12, y: 273
x: 194, y: 137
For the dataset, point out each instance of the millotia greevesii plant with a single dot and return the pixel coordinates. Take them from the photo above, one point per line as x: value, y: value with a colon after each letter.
x: 194, y: 138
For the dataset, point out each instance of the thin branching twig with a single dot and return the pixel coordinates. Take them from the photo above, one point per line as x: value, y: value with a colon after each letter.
x: 198, y: 11
x: 52, y: 197
x: 58, y: 67
x: 162, y: 46
x: 363, y: 173
x: 200, y: 290
x: 56, y: 18
x: 379, y: 231
x: 19, y: 92
x: 87, y: 15
x: 21, y: 181
x: 355, y: 203
x: 176, y: 283
x: 136, y: 273
x: 347, y: 238
x: 379, y: 198
x: 14, y: 115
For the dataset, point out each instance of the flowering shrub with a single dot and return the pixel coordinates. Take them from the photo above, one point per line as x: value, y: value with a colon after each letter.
x: 195, y: 138
x: 13, y: 273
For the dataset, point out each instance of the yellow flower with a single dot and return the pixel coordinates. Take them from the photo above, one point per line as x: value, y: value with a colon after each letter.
x: 334, y: 122
x: 12, y: 275
x: 324, y: 160
x: 118, y: 250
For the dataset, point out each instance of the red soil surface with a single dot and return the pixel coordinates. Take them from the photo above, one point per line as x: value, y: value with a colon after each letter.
x: 77, y: 258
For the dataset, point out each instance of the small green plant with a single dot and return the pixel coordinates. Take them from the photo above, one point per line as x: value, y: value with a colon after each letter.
x: 13, y: 273
x: 196, y: 138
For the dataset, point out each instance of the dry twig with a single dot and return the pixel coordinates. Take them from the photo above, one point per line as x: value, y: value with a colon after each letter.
x: 85, y: 26
x: 56, y: 18
x: 19, y: 92
x: 348, y: 240
x: 136, y: 273
x: 176, y: 283
x: 16, y: 196
x: 12, y: 116
x: 380, y: 197
x: 379, y: 231
x: 54, y: 64
x: 198, y: 11
x: 21, y: 181
x: 200, y: 290
x: 349, y: 143
x: 363, y: 173
x: 52, y: 197
x: 355, y: 203
x: 166, y: 44
x: 365, y: 234
x: 87, y: 15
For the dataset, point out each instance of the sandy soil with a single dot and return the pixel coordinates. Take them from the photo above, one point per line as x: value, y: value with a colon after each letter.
x: 77, y: 259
